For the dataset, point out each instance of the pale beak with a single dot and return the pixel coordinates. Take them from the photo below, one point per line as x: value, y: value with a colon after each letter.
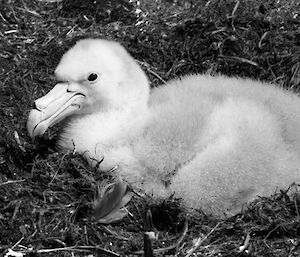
x: 52, y: 108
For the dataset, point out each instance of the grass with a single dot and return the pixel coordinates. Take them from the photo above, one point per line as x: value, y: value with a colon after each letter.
x: 46, y: 197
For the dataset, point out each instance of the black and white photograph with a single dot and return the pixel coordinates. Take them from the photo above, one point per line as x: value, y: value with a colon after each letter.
x: 150, y: 128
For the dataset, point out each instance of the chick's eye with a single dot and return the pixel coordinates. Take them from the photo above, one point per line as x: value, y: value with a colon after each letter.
x: 92, y: 77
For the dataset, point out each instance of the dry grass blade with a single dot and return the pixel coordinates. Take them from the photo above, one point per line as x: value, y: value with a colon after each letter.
x: 246, y: 244
x: 80, y: 249
x: 200, y: 240
x: 11, y: 182
x: 72, y: 249
x: 146, y: 65
x: 239, y: 59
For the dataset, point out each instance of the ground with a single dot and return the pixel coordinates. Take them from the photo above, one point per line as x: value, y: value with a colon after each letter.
x: 46, y: 197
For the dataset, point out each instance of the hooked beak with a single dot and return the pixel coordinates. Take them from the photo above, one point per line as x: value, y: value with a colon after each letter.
x: 52, y: 108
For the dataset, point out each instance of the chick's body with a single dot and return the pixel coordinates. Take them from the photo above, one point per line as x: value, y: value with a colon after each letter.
x: 216, y: 142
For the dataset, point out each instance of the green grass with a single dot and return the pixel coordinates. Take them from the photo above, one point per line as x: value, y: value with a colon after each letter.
x: 46, y: 197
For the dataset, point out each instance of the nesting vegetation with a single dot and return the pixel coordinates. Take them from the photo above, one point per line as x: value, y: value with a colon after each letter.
x: 46, y: 197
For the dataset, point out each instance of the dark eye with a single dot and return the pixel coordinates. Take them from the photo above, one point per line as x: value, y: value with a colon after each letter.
x: 92, y: 77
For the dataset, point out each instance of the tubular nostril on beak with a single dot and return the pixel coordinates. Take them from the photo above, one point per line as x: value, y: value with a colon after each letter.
x: 70, y: 90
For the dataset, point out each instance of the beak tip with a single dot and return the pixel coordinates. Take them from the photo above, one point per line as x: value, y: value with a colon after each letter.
x: 33, y: 121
